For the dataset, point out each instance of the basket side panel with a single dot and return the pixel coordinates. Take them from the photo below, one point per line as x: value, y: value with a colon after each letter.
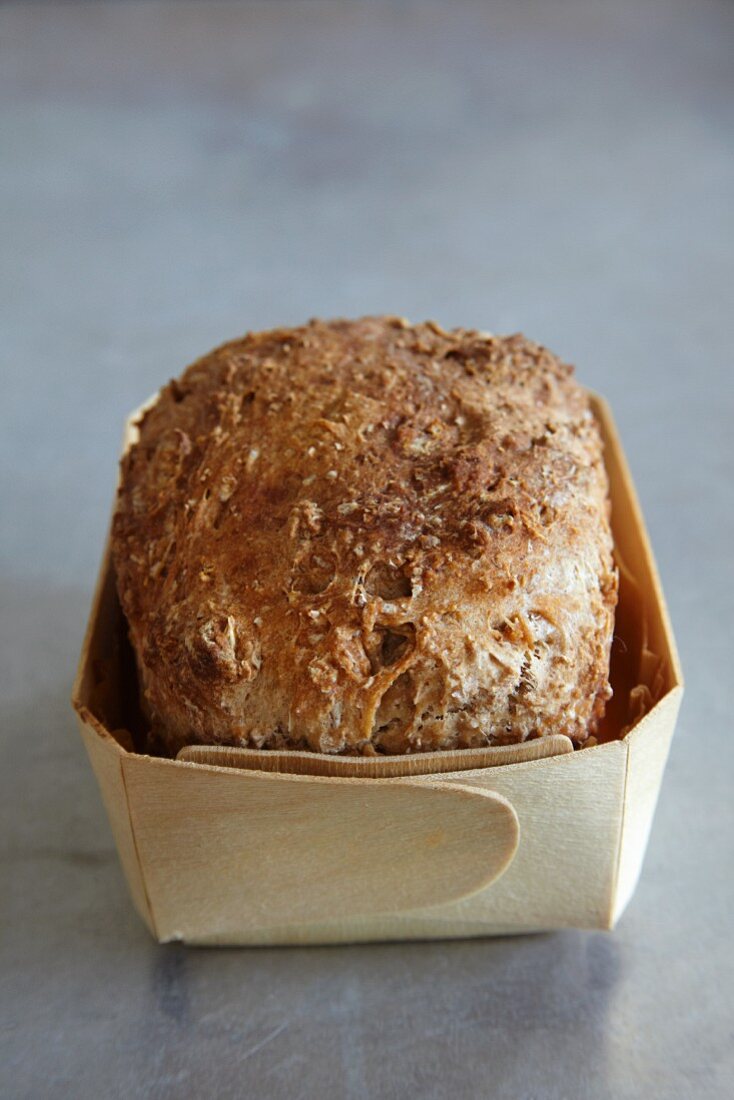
x: 649, y: 744
x: 563, y: 873
x: 649, y: 741
x: 97, y: 698
x: 106, y: 757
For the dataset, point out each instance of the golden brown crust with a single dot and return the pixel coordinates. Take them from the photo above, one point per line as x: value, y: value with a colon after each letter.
x: 364, y: 536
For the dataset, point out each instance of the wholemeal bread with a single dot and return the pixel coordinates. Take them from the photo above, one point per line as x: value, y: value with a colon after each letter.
x: 368, y: 537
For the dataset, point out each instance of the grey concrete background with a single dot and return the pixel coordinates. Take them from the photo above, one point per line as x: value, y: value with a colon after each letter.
x: 174, y: 173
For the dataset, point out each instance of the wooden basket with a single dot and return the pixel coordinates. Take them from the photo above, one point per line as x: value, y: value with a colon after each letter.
x: 252, y: 855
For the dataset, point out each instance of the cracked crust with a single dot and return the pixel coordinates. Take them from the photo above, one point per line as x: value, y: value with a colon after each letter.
x: 366, y: 536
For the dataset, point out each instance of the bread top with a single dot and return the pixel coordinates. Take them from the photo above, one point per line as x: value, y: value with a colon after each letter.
x: 368, y: 536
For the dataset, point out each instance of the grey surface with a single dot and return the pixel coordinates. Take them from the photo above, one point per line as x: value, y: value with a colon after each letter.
x: 173, y: 174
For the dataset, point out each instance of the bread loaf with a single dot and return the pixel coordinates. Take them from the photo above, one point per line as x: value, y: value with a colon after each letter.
x: 368, y: 537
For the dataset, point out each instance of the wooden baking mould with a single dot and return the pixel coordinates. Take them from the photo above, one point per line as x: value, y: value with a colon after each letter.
x: 262, y: 847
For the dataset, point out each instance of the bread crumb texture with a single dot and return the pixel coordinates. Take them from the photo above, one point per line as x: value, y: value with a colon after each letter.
x: 368, y: 537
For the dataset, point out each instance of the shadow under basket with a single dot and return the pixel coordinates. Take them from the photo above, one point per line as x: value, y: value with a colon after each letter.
x: 255, y: 851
